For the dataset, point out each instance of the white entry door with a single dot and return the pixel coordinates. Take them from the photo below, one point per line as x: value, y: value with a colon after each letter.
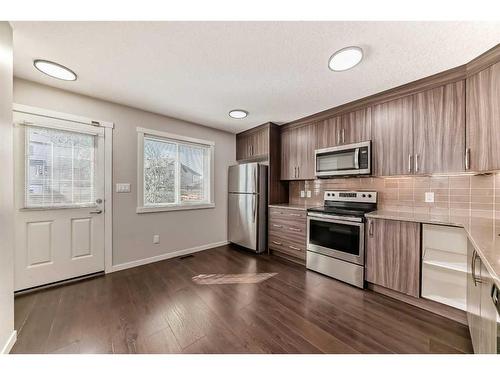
x: 59, y: 187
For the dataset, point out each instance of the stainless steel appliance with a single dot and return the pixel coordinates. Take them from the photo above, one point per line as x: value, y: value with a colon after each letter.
x: 345, y: 160
x: 336, y: 235
x: 247, y: 206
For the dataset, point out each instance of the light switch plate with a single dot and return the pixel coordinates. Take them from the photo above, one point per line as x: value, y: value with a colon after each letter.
x: 123, y: 188
x: 156, y: 238
x: 309, y: 194
x: 429, y: 197
x: 302, y: 194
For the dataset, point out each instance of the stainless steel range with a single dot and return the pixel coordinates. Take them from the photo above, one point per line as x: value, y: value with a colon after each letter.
x: 336, y: 235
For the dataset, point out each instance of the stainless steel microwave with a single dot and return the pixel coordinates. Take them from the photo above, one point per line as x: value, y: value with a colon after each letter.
x: 345, y: 160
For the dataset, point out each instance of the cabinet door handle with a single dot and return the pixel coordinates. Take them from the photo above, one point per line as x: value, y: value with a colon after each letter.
x: 294, y: 248
x: 277, y: 226
x: 467, y: 159
x: 409, y: 163
x: 297, y: 215
x: 294, y: 229
x: 416, y: 162
x: 476, y: 279
x: 277, y: 243
x: 298, y: 171
x: 338, y: 136
x: 343, y: 135
x: 370, y: 228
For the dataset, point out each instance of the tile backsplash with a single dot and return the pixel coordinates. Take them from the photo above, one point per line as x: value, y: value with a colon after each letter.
x: 477, y: 195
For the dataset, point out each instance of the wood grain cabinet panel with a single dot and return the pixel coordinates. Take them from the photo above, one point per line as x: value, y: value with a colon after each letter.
x: 392, y: 124
x: 297, y: 153
x: 242, y: 148
x: 483, y: 119
x: 253, y: 145
x: 287, y: 233
x: 356, y: 126
x: 393, y: 255
x: 328, y: 132
x: 288, y: 162
x: 439, y: 129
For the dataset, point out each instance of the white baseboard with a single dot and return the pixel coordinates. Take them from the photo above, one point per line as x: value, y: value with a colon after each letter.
x: 157, y: 258
x: 10, y: 343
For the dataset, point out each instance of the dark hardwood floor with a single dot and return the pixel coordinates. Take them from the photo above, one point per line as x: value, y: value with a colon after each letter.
x: 159, y: 308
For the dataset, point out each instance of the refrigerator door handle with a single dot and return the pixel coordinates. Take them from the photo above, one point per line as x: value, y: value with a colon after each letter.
x: 254, y: 208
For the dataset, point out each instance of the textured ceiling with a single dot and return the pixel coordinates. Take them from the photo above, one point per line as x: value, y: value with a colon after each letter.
x: 278, y: 71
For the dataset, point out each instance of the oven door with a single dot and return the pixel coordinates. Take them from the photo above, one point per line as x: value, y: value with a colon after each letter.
x: 336, y: 238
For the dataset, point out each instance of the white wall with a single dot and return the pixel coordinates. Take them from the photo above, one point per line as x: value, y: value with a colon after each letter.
x: 132, y: 232
x: 6, y: 191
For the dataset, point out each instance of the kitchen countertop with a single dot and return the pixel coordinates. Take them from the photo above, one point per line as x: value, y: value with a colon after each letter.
x: 291, y: 206
x: 483, y: 233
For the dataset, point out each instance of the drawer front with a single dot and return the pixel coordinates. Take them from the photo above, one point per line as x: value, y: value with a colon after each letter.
x: 296, y: 235
x: 287, y: 247
x: 287, y: 213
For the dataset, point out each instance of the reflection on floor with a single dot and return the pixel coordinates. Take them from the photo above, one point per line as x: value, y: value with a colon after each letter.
x: 239, y: 278
x: 158, y: 308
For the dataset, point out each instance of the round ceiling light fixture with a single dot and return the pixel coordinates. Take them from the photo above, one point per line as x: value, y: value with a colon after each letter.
x: 238, y: 113
x: 55, y: 70
x: 345, y: 58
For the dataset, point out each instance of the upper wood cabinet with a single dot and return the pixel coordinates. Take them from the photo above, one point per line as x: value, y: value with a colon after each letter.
x: 439, y: 129
x: 328, y: 133
x: 392, y: 124
x: 393, y: 255
x: 253, y: 144
x: 356, y: 126
x: 483, y: 119
x: 297, y: 153
x: 352, y: 127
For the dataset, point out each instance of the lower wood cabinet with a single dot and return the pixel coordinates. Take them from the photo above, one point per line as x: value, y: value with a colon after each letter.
x: 287, y: 233
x: 481, y: 311
x: 393, y: 255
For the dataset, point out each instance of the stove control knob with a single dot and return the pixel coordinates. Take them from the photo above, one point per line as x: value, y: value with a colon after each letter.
x: 328, y: 194
x: 364, y: 195
x: 333, y: 194
x: 369, y: 195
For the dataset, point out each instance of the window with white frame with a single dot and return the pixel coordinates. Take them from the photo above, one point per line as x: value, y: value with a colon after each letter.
x: 59, y: 168
x: 175, y: 172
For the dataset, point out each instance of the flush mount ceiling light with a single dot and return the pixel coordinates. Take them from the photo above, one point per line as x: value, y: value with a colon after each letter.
x: 55, y: 70
x: 238, y: 113
x: 345, y: 58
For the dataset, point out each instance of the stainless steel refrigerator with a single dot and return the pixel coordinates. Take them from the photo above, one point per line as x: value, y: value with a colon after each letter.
x: 247, y: 206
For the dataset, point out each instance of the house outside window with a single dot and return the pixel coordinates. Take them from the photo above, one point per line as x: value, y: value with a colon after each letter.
x: 174, y: 172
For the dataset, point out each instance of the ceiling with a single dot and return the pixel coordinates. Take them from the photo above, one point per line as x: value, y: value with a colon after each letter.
x: 278, y: 71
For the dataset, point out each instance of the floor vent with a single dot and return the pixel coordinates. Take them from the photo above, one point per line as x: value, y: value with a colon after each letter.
x: 186, y: 256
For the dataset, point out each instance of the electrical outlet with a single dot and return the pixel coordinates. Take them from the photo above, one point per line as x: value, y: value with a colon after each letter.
x: 302, y: 194
x: 156, y: 238
x: 123, y: 188
x: 429, y: 197
x: 309, y: 194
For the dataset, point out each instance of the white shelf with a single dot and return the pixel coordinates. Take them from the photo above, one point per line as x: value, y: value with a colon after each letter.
x: 458, y: 267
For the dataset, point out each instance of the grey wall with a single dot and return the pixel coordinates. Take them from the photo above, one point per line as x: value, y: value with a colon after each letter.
x: 6, y: 188
x: 132, y: 232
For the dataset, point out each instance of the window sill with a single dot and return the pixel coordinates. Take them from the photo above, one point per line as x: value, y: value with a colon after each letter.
x: 144, y: 210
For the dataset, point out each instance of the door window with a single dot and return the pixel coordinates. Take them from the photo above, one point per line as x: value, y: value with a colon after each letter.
x: 59, y: 168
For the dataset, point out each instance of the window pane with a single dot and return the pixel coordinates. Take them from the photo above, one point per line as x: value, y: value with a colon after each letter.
x: 193, y: 168
x: 159, y: 171
x: 59, y: 168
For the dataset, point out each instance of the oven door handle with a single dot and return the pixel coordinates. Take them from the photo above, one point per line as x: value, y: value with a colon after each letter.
x: 334, y: 219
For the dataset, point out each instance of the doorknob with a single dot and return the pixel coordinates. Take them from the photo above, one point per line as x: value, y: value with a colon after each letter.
x: 96, y: 212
